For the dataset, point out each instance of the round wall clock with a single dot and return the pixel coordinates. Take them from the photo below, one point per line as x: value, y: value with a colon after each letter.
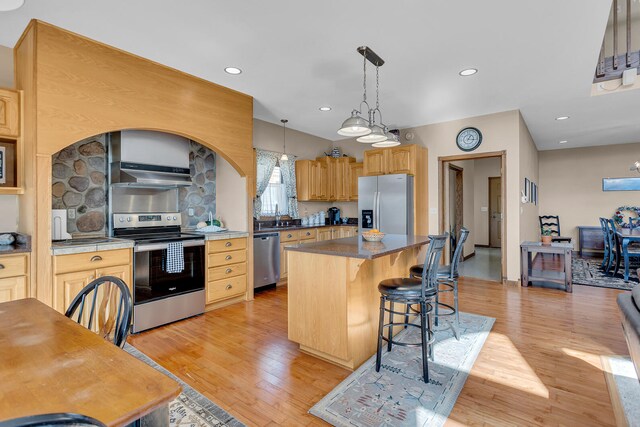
x: 469, y: 139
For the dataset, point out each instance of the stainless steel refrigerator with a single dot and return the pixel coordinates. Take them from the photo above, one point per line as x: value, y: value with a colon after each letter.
x: 385, y: 202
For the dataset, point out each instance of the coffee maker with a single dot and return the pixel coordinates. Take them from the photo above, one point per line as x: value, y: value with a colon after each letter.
x: 334, y: 215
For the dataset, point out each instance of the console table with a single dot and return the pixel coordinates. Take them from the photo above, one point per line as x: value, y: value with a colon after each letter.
x: 529, y: 274
x: 590, y: 238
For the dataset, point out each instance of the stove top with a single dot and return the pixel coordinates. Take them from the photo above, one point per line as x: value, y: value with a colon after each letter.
x: 162, y: 237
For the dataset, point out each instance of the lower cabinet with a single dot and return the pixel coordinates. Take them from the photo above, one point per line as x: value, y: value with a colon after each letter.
x: 14, y: 277
x: 75, y: 271
x: 226, y: 269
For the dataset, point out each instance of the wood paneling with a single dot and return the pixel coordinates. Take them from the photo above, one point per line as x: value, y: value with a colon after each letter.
x: 531, y: 371
x: 75, y: 88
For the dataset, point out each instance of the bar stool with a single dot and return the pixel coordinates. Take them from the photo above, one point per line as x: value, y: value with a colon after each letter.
x: 447, y: 282
x: 412, y: 291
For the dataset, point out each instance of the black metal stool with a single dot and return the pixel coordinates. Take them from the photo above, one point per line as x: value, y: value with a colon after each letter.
x: 412, y: 291
x: 447, y: 282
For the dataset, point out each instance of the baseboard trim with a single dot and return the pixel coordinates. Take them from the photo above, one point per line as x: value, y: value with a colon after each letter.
x: 511, y: 282
x: 482, y: 246
x: 471, y: 255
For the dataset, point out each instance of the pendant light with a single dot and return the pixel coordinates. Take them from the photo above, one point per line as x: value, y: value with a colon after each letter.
x: 356, y: 125
x: 284, y: 140
x: 391, y: 141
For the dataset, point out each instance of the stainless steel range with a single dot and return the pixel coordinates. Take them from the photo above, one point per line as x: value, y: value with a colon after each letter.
x: 161, y: 295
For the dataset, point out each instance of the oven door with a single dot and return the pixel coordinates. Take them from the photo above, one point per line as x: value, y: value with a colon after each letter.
x: 151, y: 280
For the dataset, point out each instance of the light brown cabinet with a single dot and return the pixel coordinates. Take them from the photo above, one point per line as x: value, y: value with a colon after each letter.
x: 73, y: 272
x: 383, y: 161
x: 14, y: 277
x: 292, y: 238
x: 355, y: 172
x: 226, y: 269
x: 324, y: 179
x: 9, y: 113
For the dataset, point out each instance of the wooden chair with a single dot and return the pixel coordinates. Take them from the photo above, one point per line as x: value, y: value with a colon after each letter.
x: 410, y: 291
x: 44, y: 420
x: 552, y: 222
x: 109, y: 310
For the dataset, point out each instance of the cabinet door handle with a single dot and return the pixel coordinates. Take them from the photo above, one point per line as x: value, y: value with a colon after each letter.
x: 1, y: 267
x: 96, y: 258
x: 229, y: 286
x: 228, y: 270
x: 228, y: 244
x: 308, y: 233
x: 228, y: 257
x: 289, y: 236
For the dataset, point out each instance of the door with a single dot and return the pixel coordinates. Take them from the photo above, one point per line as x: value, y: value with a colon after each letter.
x: 495, y: 212
x: 402, y: 159
x: 367, y: 189
x: 356, y: 172
x: 395, y: 204
x: 375, y: 162
x: 68, y: 285
x: 13, y: 288
x: 456, y: 206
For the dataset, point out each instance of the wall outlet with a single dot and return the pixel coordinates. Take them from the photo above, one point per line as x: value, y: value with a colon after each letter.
x: 190, y: 212
x: 484, y: 209
x: 71, y: 213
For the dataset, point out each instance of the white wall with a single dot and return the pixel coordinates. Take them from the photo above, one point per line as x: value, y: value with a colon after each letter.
x: 231, y: 196
x: 8, y: 204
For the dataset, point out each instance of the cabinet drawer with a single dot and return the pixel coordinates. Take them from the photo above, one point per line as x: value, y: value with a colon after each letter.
x: 91, y: 260
x: 289, y: 236
x: 11, y: 266
x: 226, y: 245
x: 308, y: 234
x: 13, y: 288
x: 217, y: 273
x: 226, y: 288
x: 226, y: 258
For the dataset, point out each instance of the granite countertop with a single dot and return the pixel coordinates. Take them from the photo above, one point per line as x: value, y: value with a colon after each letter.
x: 22, y: 244
x: 91, y: 244
x: 298, y: 227
x: 357, y: 247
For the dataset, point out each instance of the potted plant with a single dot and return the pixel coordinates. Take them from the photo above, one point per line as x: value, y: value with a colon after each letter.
x: 546, y: 236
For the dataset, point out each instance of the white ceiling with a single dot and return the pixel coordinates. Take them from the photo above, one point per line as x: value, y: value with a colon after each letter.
x: 538, y: 56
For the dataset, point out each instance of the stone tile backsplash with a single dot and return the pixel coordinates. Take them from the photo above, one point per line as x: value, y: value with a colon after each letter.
x: 79, y: 182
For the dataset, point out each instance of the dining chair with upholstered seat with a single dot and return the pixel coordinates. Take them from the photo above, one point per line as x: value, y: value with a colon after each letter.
x: 61, y: 419
x: 105, y: 307
x: 552, y: 223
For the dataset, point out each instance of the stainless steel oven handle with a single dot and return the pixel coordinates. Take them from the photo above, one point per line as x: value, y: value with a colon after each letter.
x: 161, y: 246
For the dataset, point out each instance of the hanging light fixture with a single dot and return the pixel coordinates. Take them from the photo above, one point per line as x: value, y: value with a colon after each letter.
x: 370, y: 130
x: 391, y: 141
x: 284, y: 140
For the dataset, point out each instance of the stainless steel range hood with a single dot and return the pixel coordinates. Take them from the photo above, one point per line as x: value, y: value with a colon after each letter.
x: 149, y: 159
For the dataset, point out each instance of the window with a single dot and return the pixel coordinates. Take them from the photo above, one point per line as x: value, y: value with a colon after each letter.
x: 275, y: 195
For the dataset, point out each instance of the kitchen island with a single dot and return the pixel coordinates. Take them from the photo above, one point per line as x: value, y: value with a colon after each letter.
x: 334, y: 301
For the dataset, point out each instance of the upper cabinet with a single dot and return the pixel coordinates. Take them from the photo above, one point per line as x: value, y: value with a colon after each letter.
x: 383, y: 161
x: 356, y: 171
x: 324, y: 179
x: 9, y: 113
x: 10, y: 143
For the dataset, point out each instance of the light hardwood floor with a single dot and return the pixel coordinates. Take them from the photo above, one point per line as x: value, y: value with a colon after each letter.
x: 539, y: 366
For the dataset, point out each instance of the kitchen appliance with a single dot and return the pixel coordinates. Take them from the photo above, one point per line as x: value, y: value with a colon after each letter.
x: 385, y: 202
x: 161, y: 297
x: 334, y: 215
x: 266, y: 259
x: 149, y: 159
x: 59, y: 224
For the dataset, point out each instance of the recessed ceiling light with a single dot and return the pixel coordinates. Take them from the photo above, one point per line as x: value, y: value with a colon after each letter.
x: 562, y: 118
x: 233, y: 70
x: 9, y: 5
x: 324, y: 108
x: 468, y: 72
x: 563, y: 142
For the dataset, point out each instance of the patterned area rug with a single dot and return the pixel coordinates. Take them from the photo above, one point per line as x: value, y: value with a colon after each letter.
x: 190, y: 408
x: 397, y: 395
x: 624, y: 389
x: 587, y: 271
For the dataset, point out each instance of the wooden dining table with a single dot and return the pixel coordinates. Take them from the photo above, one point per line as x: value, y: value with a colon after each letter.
x: 625, y: 237
x: 49, y: 364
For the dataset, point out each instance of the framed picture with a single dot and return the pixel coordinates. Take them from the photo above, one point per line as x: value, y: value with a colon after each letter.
x: 527, y: 192
x: 535, y: 194
x: 532, y: 192
x: 3, y: 166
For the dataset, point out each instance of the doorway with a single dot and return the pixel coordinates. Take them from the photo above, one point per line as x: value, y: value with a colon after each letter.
x: 472, y: 194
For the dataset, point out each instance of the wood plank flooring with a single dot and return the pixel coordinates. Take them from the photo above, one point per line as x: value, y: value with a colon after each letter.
x: 539, y: 366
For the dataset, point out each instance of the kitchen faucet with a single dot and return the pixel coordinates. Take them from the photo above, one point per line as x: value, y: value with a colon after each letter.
x: 277, y: 217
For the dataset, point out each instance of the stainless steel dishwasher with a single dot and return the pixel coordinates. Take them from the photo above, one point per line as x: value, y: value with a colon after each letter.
x: 266, y: 259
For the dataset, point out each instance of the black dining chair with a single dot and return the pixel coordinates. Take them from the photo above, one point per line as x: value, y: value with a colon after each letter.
x: 552, y: 223
x: 447, y: 282
x: 607, y: 243
x: 44, y: 420
x: 412, y: 291
x: 108, y: 311
x: 613, y: 255
x: 634, y: 222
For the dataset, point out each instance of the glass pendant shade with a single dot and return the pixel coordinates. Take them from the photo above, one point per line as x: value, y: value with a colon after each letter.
x: 284, y: 157
x: 377, y: 135
x: 354, y: 126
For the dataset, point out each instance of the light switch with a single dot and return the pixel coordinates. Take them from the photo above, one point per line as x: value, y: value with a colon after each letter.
x: 484, y: 209
x: 190, y: 212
